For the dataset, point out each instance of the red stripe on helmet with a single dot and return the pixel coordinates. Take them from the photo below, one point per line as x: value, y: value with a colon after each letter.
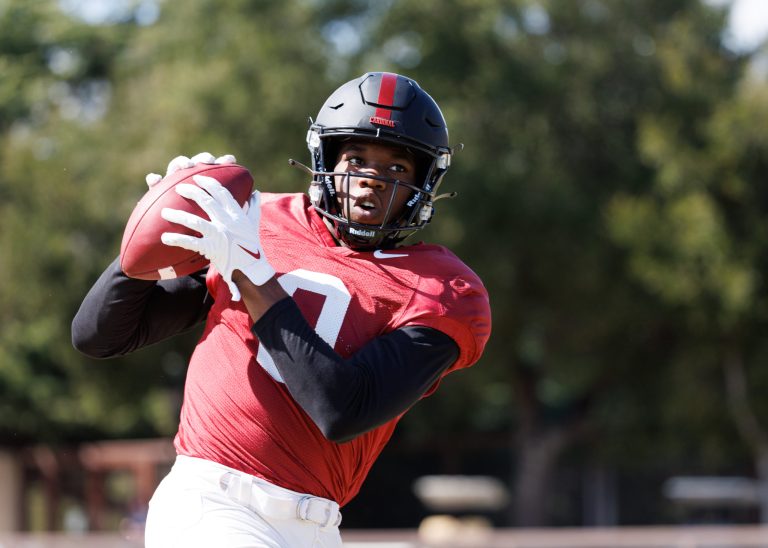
x: 386, y: 95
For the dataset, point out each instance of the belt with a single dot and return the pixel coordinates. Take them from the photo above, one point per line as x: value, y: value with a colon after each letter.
x: 276, y: 502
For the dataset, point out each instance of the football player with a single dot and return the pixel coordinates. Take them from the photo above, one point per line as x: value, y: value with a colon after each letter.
x: 322, y: 327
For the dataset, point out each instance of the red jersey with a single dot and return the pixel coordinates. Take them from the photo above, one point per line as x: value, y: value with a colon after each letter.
x: 236, y: 409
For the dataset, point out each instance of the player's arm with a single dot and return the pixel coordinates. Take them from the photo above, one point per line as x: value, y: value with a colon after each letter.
x: 347, y: 397
x: 121, y: 314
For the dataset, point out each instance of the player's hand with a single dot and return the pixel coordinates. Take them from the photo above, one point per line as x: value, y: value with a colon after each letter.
x: 182, y: 162
x: 230, y: 240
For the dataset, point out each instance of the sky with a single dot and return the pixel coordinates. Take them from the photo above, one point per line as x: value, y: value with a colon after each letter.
x: 748, y: 22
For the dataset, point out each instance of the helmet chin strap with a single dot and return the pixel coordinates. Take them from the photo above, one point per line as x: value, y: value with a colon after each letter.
x: 338, y: 236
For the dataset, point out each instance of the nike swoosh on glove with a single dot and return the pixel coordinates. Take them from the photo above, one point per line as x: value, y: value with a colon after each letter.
x: 230, y: 240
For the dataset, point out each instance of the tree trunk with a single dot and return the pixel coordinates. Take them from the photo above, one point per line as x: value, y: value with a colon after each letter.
x: 537, y: 458
x: 747, y: 423
x: 762, y: 486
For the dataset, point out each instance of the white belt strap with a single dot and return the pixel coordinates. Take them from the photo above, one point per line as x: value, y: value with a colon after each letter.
x: 247, y: 490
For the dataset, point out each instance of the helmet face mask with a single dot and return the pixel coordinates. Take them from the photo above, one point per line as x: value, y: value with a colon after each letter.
x: 396, y: 222
x: 388, y: 109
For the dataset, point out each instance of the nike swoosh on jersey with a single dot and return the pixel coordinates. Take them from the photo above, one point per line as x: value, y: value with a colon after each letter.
x: 379, y: 254
x: 256, y: 255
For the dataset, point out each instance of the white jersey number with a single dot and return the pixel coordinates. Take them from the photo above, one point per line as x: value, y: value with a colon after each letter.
x: 331, y: 317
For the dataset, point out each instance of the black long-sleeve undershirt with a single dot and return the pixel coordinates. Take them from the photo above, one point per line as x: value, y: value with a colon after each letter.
x: 347, y: 397
x: 121, y: 314
x: 344, y: 397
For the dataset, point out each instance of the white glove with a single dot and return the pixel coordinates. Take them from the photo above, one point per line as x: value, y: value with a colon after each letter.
x: 182, y: 162
x: 230, y: 240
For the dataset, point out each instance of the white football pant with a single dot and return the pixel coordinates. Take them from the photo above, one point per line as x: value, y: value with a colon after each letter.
x: 205, y: 504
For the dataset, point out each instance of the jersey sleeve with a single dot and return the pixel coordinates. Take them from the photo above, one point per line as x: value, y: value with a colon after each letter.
x: 459, y: 307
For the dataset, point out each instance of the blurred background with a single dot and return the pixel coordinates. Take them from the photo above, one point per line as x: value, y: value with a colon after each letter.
x: 613, y: 196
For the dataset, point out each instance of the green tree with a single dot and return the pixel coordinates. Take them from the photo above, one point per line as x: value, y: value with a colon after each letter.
x: 55, y: 72
x: 697, y: 240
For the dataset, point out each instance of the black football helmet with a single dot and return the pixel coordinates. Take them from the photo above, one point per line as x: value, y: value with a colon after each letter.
x: 388, y: 108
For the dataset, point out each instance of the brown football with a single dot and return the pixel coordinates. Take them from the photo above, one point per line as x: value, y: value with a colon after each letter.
x: 142, y: 254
